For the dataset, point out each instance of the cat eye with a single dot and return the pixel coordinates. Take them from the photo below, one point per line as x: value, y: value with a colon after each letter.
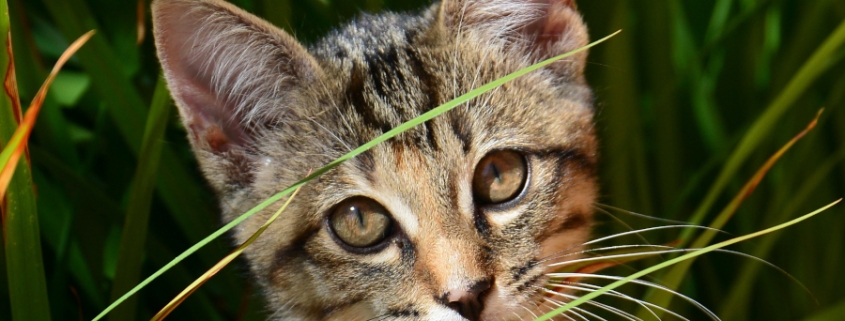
x: 360, y: 222
x: 499, y: 177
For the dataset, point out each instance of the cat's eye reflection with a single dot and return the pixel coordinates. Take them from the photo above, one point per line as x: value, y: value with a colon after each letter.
x: 360, y: 222
x: 499, y: 177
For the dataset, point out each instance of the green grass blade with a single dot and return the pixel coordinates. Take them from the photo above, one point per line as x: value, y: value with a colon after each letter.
x: 390, y: 134
x: 675, y: 276
x: 818, y: 63
x: 22, y: 241
x: 183, y: 195
x: 131, y: 255
x: 740, y: 293
x: 682, y: 258
x: 630, y: 179
x: 30, y: 72
x: 190, y: 289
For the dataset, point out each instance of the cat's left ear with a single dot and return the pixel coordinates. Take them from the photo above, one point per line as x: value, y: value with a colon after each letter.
x: 235, y: 78
x: 530, y: 29
x: 231, y: 73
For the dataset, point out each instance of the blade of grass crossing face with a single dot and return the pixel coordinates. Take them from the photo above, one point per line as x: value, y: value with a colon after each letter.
x: 682, y: 258
x: 164, y: 312
x: 390, y: 134
x: 818, y: 63
x: 131, y: 254
x: 673, y: 278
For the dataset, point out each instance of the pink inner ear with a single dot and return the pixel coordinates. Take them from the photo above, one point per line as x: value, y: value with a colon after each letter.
x: 208, y: 114
x: 230, y: 72
x: 209, y: 119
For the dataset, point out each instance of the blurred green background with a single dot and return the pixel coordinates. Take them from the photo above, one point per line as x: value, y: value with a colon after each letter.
x: 691, y: 99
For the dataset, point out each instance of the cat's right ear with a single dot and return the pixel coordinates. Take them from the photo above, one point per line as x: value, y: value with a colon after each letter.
x: 231, y: 73
x: 529, y: 30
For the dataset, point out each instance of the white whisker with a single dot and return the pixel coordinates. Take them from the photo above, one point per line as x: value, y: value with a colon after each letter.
x: 585, y: 311
x: 606, y: 248
x: 632, y: 213
x: 643, y: 303
x: 649, y: 230
x: 617, y: 256
x: 700, y: 306
x: 602, y: 306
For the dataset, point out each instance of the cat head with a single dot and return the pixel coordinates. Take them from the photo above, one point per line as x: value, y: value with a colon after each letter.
x: 455, y: 219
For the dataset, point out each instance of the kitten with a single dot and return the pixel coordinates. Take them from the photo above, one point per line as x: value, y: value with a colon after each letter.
x: 455, y: 219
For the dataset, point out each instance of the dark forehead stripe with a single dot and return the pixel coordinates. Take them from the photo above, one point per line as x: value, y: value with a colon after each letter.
x: 356, y: 98
x: 391, y: 82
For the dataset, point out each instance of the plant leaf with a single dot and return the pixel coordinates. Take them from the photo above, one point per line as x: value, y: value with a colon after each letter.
x: 220, y: 265
x: 25, y: 269
x: 818, y: 63
x: 16, y: 146
x: 673, y: 277
x: 682, y: 258
x: 131, y: 254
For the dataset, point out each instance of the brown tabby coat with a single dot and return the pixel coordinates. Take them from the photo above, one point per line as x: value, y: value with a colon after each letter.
x: 262, y: 110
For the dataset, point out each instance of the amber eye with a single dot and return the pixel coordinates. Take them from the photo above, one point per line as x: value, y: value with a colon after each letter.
x: 499, y: 177
x: 360, y: 222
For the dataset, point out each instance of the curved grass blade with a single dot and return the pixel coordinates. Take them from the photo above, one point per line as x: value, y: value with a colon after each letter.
x: 17, y: 144
x: 21, y: 236
x: 220, y: 265
x: 740, y: 294
x: 130, y: 257
x: 21, y: 242
x: 682, y: 258
x: 390, y: 134
x: 673, y: 278
x: 821, y: 60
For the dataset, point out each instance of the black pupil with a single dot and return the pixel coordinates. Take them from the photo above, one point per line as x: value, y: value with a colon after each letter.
x: 360, y: 222
x: 499, y: 177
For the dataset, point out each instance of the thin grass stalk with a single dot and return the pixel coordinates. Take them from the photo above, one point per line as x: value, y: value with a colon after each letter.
x: 673, y: 278
x: 190, y: 289
x: 180, y: 192
x: 737, y: 301
x: 21, y: 235
x: 818, y: 63
x: 630, y: 179
x: 131, y: 255
x: 680, y: 259
x: 378, y: 140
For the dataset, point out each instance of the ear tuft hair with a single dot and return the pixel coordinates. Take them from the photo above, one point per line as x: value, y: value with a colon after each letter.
x: 531, y: 29
x: 230, y: 72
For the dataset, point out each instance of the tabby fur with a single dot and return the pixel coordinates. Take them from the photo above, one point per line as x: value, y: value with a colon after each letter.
x: 261, y: 110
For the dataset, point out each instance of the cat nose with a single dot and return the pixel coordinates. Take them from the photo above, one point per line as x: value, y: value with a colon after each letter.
x: 469, y: 302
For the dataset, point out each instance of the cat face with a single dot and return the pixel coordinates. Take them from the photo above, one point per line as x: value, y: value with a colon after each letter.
x: 455, y: 219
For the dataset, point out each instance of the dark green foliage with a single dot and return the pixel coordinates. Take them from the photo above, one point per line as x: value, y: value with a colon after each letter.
x: 675, y: 92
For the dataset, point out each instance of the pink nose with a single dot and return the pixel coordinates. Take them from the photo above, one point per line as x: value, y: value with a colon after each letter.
x: 469, y: 302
